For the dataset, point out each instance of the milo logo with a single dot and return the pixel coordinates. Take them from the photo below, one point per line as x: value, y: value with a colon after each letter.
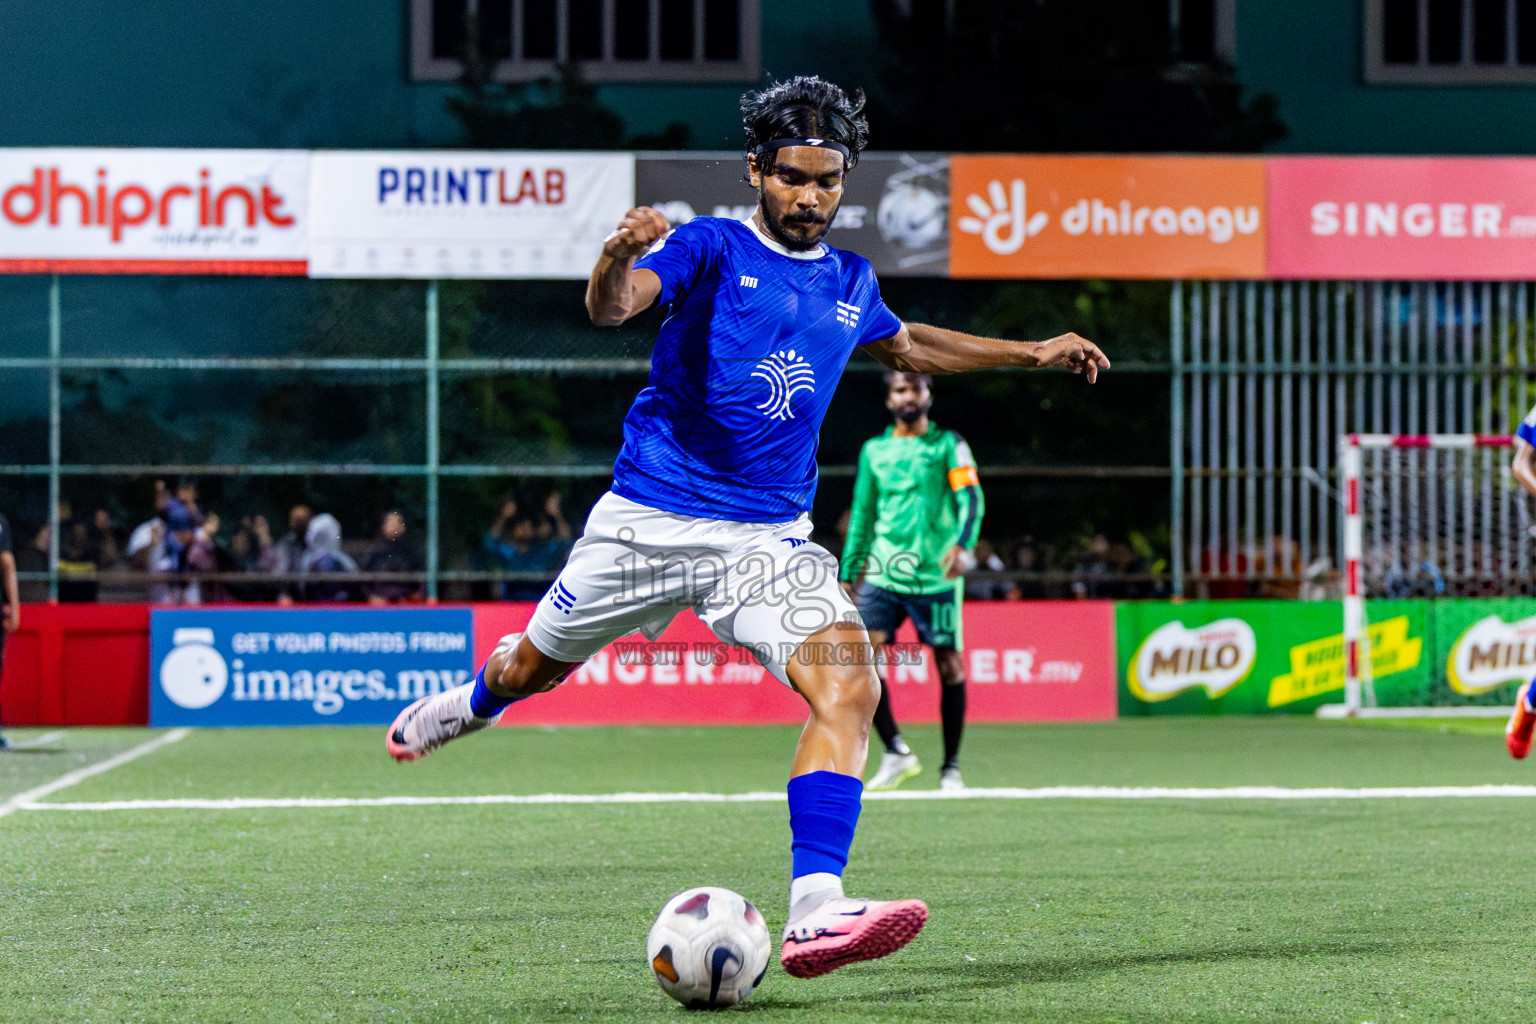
x: 1175, y: 658
x: 1492, y: 653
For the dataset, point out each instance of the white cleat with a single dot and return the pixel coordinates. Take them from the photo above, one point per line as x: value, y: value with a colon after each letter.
x: 894, y: 770
x: 432, y: 721
x: 950, y: 779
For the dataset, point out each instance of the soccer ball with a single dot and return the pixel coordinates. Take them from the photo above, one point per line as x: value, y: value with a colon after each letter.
x: 709, y: 948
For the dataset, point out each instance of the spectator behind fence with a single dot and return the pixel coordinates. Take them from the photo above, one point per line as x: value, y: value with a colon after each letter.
x: 513, y: 544
x: 1025, y: 558
x: 1094, y: 572
x: 77, y: 558
x: 33, y: 557
x: 390, y: 553
x: 149, y: 550
x: 251, y: 550
x: 322, y: 553
x: 205, y: 554
x: 987, y: 561
x: 291, y: 548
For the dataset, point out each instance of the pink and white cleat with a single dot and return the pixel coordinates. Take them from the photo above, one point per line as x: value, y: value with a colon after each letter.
x: 842, y: 931
x: 432, y: 721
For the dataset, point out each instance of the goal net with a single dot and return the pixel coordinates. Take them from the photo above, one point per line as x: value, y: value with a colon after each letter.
x: 1432, y: 516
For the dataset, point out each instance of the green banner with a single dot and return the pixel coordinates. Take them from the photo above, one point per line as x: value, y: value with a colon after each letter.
x: 1485, y: 647
x: 1258, y: 657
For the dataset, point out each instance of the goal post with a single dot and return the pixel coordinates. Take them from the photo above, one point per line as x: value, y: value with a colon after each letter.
x: 1423, y: 515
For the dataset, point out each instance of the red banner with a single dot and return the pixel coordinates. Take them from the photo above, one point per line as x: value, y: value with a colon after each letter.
x: 1405, y: 218
x: 1034, y: 661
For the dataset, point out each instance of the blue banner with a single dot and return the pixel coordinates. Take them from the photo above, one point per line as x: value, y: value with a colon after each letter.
x: 301, y: 667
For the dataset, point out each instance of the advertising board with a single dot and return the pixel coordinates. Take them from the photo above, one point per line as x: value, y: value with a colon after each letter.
x: 154, y: 211
x: 415, y: 214
x: 895, y: 209
x: 1089, y: 216
x: 1407, y: 218
x: 1256, y: 657
x: 1025, y: 661
x: 327, y: 666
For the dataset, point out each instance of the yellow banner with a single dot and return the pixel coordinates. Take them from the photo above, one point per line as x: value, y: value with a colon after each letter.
x: 1317, y: 667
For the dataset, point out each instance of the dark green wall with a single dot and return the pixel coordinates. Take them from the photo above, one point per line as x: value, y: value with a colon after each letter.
x: 318, y: 74
x: 1309, y: 54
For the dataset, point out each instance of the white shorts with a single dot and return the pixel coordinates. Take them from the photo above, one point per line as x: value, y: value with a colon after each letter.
x: 762, y: 586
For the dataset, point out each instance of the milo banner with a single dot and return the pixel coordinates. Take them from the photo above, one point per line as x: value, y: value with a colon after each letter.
x: 1485, y: 647
x: 1257, y: 657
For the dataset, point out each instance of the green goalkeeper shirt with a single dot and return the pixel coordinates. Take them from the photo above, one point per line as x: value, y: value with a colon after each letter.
x: 915, y: 498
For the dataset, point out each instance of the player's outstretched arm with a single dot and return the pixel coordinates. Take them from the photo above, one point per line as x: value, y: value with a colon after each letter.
x: 921, y: 348
x: 617, y: 291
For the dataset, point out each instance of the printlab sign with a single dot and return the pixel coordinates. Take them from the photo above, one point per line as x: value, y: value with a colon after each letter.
x: 332, y: 667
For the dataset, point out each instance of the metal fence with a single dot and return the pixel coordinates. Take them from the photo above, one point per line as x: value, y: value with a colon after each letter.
x: 1267, y: 375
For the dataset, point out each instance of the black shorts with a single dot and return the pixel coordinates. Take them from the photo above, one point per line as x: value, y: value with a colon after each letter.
x: 936, y: 616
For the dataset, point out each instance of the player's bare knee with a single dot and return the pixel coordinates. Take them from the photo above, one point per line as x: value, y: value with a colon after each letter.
x: 849, y: 692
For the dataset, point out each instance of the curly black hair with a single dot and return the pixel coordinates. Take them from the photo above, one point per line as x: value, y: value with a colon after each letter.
x: 805, y: 108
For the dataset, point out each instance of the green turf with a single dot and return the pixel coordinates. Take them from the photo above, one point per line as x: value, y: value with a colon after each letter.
x: 1346, y: 911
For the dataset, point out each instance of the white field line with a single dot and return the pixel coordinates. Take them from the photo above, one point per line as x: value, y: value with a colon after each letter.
x: 28, y: 800
x: 41, y: 741
x: 1048, y: 793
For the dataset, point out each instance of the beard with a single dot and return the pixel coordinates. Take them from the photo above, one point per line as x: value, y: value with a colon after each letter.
x: 911, y: 414
x: 779, y: 225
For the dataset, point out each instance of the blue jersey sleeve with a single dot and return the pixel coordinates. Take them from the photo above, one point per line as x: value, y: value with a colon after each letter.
x: 878, y: 322
x: 679, y: 257
x: 1526, y: 431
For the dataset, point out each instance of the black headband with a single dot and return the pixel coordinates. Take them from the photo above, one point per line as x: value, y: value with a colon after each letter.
x: 778, y: 144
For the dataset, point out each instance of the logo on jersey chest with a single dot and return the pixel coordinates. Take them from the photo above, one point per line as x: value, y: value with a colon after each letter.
x: 848, y: 313
x: 786, y: 374
x: 748, y: 281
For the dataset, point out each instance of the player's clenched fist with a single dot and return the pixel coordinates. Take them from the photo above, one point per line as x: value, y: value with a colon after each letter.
x: 1077, y: 354
x: 636, y: 233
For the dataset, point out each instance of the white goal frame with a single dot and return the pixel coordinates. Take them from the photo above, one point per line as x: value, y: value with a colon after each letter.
x: 1359, y: 697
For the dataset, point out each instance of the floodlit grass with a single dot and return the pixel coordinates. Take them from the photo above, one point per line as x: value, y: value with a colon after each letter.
x: 1061, y: 910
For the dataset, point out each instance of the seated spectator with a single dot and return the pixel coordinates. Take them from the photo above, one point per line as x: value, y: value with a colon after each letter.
x: 322, y: 553
x: 390, y: 553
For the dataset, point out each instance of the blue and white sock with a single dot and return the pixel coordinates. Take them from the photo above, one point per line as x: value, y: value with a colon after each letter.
x: 482, y: 702
x: 823, y: 814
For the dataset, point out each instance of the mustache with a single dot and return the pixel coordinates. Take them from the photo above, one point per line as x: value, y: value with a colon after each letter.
x: 808, y: 217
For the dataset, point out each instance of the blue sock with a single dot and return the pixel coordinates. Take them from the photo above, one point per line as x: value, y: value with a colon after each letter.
x: 823, y: 812
x: 482, y: 702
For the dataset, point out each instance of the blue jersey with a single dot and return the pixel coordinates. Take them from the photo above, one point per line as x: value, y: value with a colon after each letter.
x: 755, y: 341
x: 1526, y: 431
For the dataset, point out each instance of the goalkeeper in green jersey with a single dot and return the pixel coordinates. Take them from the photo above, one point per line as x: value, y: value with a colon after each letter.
x: 916, y: 515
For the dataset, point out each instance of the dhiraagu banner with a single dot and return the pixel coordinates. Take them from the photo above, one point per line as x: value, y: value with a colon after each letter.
x: 1257, y: 657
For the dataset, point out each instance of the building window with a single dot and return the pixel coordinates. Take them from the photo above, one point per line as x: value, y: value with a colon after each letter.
x: 612, y: 40
x: 1450, y: 42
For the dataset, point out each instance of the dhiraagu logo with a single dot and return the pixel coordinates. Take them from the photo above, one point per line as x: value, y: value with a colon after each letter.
x: 1176, y: 658
x: 1492, y: 653
x: 194, y: 674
